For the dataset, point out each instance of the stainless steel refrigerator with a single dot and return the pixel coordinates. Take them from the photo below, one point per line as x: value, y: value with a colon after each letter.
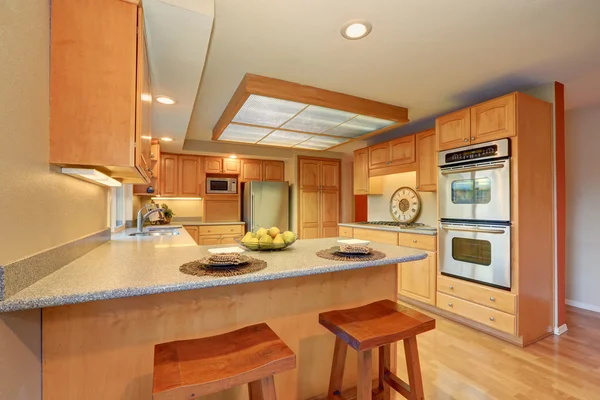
x: 266, y: 204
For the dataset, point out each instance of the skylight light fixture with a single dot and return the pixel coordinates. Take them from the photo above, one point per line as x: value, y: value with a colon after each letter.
x: 165, y: 100
x: 356, y: 29
x: 92, y: 176
x: 166, y: 139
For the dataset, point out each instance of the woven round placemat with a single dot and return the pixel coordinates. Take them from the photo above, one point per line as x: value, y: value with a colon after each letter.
x: 198, y: 268
x: 331, y: 254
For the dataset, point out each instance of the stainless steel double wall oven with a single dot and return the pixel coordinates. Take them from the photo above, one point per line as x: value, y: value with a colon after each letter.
x: 474, y: 207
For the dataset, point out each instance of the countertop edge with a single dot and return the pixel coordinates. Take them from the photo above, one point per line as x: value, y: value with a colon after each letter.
x: 16, y: 305
x: 388, y: 228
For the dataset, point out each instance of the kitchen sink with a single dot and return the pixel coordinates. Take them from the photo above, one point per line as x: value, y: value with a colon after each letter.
x: 169, y: 232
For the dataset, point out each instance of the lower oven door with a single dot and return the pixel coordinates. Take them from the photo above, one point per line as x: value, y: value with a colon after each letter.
x: 476, y: 252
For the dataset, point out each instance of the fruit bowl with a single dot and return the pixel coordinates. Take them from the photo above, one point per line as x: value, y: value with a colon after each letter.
x: 264, y: 246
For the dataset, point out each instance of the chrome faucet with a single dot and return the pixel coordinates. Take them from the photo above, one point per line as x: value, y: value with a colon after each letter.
x: 141, y: 217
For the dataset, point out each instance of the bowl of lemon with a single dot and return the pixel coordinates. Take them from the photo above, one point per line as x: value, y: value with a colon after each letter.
x: 267, y: 239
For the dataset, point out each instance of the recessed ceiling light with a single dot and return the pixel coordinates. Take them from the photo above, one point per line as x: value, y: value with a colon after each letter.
x: 165, y: 100
x: 166, y: 139
x: 356, y: 29
x: 232, y: 156
x: 146, y: 137
x: 146, y: 97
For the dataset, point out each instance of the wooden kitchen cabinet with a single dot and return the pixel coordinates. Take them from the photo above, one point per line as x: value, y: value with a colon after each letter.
x: 231, y: 166
x: 222, y: 208
x: 453, y: 130
x: 494, y: 119
x: 417, y: 279
x: 189, y: 175
x: 262, y: 170
x: 193, y: 232
x: 273, y: 171
x: 218, y: 165
x: 363, y: 184
x: 251, y: 170
x: 426, y: 161
x: 169, y: 175
x: 379, y: 155
x: 402, y: 150
x: 98, y: 74
x: 319, y: 197
x: 219, y: 234
x: 209, y: 240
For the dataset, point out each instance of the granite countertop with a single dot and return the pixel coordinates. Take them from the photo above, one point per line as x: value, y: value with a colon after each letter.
x: 431, y: 231
x: 135, y: 266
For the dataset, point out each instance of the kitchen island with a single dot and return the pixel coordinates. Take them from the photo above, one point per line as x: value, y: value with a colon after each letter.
x: 103, y: 313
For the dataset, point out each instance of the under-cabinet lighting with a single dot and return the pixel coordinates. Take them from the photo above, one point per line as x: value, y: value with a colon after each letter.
x: 232, y: 156
x: 166, y: 139
x: 91, y: 175
x: 356, y: 29
x: 175, y: 198
x: 147, y: 137
x: 165, y: 100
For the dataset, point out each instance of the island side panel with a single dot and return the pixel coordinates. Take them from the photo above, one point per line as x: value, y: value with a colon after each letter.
x: 104, y: 349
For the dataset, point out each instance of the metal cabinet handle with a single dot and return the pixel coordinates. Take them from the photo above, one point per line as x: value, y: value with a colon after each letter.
x: 472, y: 169
x: 492, y: 299
x: 414, y: 240
x: 492, y: 319
x: 450, y: 304
x: 451, y: 287
x: 472, y: 137
x: 466, y: 140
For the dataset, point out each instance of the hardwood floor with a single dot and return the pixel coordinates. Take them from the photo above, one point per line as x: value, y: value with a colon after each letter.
x: 461, y: 363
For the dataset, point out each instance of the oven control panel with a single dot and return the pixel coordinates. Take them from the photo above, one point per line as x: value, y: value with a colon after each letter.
x: 472, y: 154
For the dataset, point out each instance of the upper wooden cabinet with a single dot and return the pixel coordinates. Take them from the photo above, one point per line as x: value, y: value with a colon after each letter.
x: 310, y: 173
x: 453, y: 130
x: 262, y: 170
x: 218, y: 165
x: 168, y: 175
x: 189, y: 175
x: 400, y: 151
x: 98, y: 73
x: 426, y: 161
x: 492, y: 120
x: 363, y: 184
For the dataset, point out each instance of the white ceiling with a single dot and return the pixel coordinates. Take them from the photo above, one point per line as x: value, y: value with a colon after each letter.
x: 430, y: 56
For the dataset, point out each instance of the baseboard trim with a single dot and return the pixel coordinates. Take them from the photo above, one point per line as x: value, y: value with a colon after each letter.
x: 559, y: 330
x: 585, y: 306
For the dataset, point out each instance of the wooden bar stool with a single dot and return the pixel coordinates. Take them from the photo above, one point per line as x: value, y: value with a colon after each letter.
x: 188, y: 369
x: 376, y: 325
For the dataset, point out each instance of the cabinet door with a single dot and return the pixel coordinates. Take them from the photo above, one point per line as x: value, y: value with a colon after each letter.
x: 379, y: 155
x: 251, y: 170
x: 231, y: 166
x: 309, y: 215
x: 209, y: 240
x: 417, y: 279
x: 168, y: 175
x: 426, y: 161
x: 310, y: 174
x: 330, y: 213
x: 143, y: 134
x: 402, y: 150
x: 228, y: 239
x: 330, y: 175
x: 222, y: 210
x: 453, y: 130
x: 189, y: 176
x: 213, y: 165
x: 361, y: 171
x: 273, y: 171
x: 193, y: 231
x: 494, y: 119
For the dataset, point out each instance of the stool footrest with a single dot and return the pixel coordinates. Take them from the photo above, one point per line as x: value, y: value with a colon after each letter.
x: 397, y: 384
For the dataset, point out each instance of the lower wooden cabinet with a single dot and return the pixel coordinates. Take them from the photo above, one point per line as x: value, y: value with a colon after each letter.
x: 209, y: 240
x: 222, y: 208
x: 193, y: 231
x: 417, y: 279
x: 345, y: 231
x: 206, y: 235
x: 473, y: 292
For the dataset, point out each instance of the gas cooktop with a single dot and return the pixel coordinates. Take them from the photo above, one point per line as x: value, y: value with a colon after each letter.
x: 395, y: 223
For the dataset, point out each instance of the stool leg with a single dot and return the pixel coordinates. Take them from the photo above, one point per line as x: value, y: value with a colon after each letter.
x: 263, y: 389
x: 385, y: 356
x: 337, y: 368
x: 254, y: 391
x: 415, y: 380
x: 365, y: 366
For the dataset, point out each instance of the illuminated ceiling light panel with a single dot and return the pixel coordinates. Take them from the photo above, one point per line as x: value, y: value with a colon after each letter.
x: 266, y: 111
x: 244, y: 134
x: 284, y: 138
x: 315, y: 119
x: 272, y: 112
x: 321, y: 143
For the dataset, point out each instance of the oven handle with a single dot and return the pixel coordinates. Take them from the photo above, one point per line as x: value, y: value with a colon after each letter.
x: 476, y: 230
x: 472, y: 169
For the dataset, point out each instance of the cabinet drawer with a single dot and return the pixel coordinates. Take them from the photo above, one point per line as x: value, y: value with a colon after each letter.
x: 220, y: 229
x: 494, y: 298
x: 376, y: 236
x: 484, y: 315
x: 425, y: 242
x: 345, y: 231
x: 228, y: 239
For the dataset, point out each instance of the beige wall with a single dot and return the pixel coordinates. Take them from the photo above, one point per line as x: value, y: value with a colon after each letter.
x: 42, y: 208
x: 379, y: 205
x: 583, y: 196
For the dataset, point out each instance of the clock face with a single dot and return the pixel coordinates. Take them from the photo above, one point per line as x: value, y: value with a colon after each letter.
x: 405, y: 205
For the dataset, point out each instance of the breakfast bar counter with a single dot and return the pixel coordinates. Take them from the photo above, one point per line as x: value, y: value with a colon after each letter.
x: 103, y: 313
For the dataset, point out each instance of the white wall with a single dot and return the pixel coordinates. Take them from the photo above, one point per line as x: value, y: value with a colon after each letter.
x: 379, y: 205
x: 583, y: 207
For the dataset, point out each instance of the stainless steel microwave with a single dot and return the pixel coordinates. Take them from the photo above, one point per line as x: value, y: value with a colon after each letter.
x: 221, y: 185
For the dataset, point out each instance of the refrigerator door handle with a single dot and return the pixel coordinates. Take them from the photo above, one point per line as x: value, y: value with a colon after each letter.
x: 252, y: 213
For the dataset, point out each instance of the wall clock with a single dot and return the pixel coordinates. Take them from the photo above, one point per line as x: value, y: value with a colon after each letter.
x: 405, y: 205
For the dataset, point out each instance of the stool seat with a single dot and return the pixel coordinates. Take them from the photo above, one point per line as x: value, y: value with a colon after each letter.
x: 198, y: 367
x: 376, y: 324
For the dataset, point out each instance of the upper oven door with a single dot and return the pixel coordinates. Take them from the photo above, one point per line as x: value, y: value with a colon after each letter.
x: 478, y: 191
